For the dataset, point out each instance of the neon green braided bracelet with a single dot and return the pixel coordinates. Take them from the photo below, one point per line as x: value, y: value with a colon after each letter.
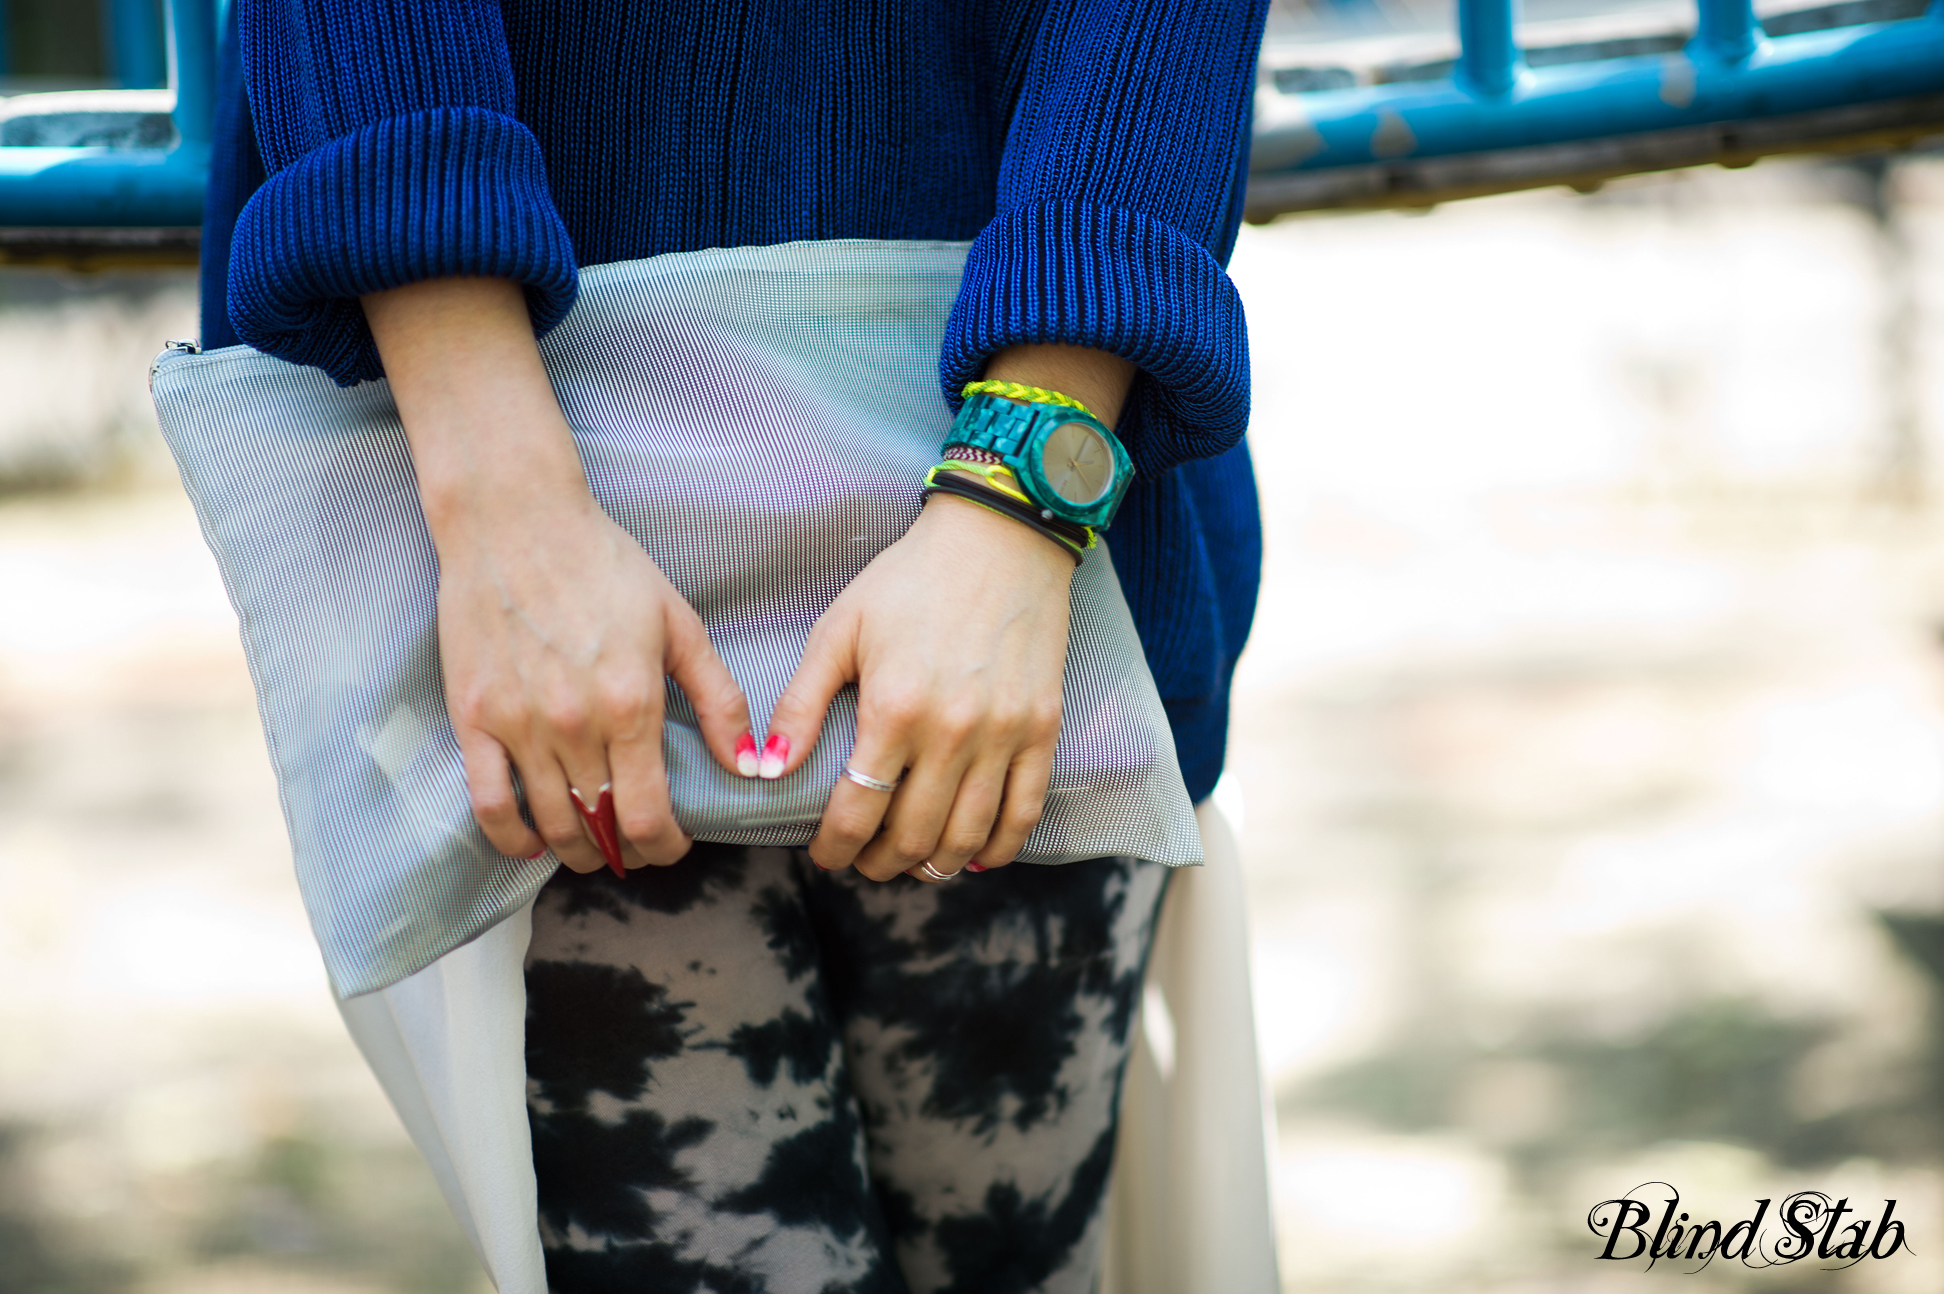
x: 1030, y: 394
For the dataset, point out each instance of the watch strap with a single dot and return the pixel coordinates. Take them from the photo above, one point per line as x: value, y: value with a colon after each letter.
x: 995, y: 425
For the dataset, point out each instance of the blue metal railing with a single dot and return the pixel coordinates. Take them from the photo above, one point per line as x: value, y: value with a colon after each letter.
x: 1725, y: 31
x: 1489, y: 63
x: 136, y: 48
x: 1746, y: 93
x: 1824, y: 69
x: 138, y: 51
x: 1492, y: 123
x: 63, y: 187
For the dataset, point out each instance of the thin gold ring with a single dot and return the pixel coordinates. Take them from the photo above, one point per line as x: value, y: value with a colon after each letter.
x: 934, y: 873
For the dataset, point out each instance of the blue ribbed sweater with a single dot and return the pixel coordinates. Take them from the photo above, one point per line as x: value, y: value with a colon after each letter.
x: 1093, y: 151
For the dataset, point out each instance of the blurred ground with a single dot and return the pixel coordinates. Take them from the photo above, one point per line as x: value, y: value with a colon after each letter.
x: 1594, y: 717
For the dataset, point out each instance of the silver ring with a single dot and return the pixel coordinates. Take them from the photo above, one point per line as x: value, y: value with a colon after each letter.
x: 868, y: 782
x: 934, y: 873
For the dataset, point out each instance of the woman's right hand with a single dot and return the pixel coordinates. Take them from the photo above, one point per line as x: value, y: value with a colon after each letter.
x: 555, y: 627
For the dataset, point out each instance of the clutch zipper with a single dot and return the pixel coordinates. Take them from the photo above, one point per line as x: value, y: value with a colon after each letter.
x: 174, y: 346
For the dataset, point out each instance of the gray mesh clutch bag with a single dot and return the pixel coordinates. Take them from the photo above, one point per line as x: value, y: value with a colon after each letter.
x: 760, y: 419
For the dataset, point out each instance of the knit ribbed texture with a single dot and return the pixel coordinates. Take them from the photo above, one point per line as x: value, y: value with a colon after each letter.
x: 1117, y: 281
x: 237, y: 172
x: 1092, y: 149
x: 436, y: 194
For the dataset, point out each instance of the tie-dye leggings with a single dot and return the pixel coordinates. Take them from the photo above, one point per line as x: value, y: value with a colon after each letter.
x: 746, y: 1076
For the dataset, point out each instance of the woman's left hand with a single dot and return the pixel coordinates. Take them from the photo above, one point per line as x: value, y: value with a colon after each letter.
x: 956, y: 637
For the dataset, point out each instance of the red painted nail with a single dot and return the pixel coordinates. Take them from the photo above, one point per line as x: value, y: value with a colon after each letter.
x: 776, y: 753
x: 531, y: 858
x: 748, y: 762
x: 975, y: 867
x: 602, y: 826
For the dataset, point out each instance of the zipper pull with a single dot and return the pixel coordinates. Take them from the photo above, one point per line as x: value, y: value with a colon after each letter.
x: 174, y: 346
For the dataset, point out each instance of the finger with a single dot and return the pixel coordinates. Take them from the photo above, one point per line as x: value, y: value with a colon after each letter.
x: 489, y: 783
x: 854, y: 813
x: 914, y: 821
x: 969, y: 823
x: 1019, y: 810
x: 596, y: 808
x: 578, y: 726
x: 948, y: 733
x: 554, y: 813
x: 641, y: 805
x: 829, y: 662
x: 720, y: 707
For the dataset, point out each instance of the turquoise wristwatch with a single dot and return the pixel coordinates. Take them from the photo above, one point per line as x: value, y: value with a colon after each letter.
x: 1066, y: 460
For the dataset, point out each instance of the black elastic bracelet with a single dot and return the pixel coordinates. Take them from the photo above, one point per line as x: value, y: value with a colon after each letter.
x: 1075, y: 545
x: 1068, y: 532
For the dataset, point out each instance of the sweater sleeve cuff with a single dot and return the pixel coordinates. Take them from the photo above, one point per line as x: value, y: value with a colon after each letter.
x: 450, y: 192
x: 1118, y: 281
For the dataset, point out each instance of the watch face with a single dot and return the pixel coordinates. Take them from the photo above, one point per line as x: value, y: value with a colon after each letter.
x: 1078, y: 463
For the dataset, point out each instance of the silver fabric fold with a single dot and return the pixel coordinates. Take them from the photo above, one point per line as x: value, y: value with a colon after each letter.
x: 759, y: 419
